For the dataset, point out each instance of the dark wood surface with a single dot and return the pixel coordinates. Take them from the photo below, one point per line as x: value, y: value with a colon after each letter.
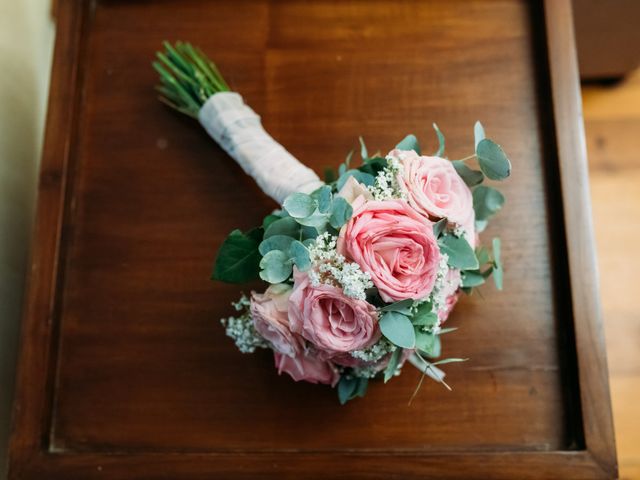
x: 125, y: 371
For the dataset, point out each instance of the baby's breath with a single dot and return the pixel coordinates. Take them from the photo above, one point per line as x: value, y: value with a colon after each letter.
x: 375, y: 352
x: 331, y: 268
x: 241, y: 330
x: 386, y: 185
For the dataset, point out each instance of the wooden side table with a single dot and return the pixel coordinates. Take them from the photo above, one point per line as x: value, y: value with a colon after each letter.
x: 125, y: 372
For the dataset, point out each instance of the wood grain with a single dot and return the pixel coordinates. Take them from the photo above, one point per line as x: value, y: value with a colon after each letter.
x: 141, y: 381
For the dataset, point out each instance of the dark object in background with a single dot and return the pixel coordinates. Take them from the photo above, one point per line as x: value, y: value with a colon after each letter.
x: 608, y: 37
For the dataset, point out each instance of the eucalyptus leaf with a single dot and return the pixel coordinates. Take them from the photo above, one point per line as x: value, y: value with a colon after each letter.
x: 323, y: 198
x: 425, y: 316
x: 403, y: 306
x: 363, y: 149
x: 492, y: 159
x: 487, y: 201
x: 440, y: 135
x: 410, y: 142
x: 471, y: 278
x: 299, y: 205
x: 498, y: 272
x: 275, y: 242
x: 428, y: 343
x: 300, y: 255
x: 269, y: 219
x: 392, y: 366
x: 444, y: 361
x: 351, y: 387
x: 478, y: 133
x: 285, y: 226
x: 397, y: 328
x: 460, y: 253
x: 439, y: 227
x: 316, y: 220
x: 238, y: 259
x: 276, y: 267
x: 470, y: 176
x: 341, y: 212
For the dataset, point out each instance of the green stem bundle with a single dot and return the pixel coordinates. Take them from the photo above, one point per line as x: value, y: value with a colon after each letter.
x: 187, y: 78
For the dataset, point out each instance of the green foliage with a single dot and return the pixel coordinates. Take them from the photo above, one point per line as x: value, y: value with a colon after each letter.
x: 238, y: 258
x: 285, y: 226
x: 276, y: 266
x: 187, y: 78
x: 428, y: 343
x: 440, y: 135
x: 493, y: 161
x: 300, y: 205
x: 497, y: 264
x: 424, y: 316
x: 478, y: 134
x: 362, y: 177
x: 397, y: 328
x: 439, y: 227
x: 403, y: 307
x: 470, y: 176
x: 487, y: 201
x: 392, y: 366
x: 350, y: 387
x: 460, y: 253
x: 410, y: 142
x: 341, y: 212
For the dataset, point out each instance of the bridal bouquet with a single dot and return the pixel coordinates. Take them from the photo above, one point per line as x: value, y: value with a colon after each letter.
x: 362, y: 269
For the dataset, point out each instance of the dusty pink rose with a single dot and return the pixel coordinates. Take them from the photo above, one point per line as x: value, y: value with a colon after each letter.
x: 306, y: 366
x: 435, y: 189
x: 395, y: 245
x: 450, y: 293
x: 330, y: 320
x: 271, y: 319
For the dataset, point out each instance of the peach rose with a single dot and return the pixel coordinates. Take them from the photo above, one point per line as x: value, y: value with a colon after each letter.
x: 395, y: 245
x: 328, y: 319
x: 271, y: 319
x: 305, y: 366
x: 353, y: 190
x: 435, y: 190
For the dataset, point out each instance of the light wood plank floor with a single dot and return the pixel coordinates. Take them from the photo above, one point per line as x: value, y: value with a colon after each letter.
x: 612, y: 121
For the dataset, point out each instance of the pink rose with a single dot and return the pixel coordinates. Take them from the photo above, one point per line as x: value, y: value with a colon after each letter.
x: 308, y: 367
x: 330, y: 320
x: 271, y: 319
x: 450, y: 293
x: 435, y: 190
x: 395, y: 245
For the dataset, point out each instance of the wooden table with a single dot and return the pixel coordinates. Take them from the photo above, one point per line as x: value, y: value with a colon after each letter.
x: 125, y: 372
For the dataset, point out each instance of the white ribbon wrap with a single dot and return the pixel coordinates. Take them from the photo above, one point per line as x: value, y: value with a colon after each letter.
x: 238, y: 130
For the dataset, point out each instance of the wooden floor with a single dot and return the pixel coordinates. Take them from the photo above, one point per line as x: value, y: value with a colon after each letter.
x: 612, y: 120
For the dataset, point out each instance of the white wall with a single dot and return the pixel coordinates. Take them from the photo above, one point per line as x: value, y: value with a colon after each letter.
x: 26, y: 41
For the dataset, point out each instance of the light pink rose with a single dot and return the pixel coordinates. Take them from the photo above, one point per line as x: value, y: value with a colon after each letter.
x: 395, y: 245
x: 271, y: 319
x: 353, y: 190
x: 329, y: 319
x: 451, y: 292
x: 308, y: 367
x: 435, y: 190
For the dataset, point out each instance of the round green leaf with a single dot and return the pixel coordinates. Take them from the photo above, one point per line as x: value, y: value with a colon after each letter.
x: 487, y: 201
x: 299, y: 205
x: 493, y: 161
x: 275, y: 242
x: 410, y: 142
x: 300, y: 255
x: 397, y: 328
x: 276, y: 267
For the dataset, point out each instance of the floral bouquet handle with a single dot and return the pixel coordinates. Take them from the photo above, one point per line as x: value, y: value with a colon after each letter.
x: 193, y: 85
x: 364, y: 269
